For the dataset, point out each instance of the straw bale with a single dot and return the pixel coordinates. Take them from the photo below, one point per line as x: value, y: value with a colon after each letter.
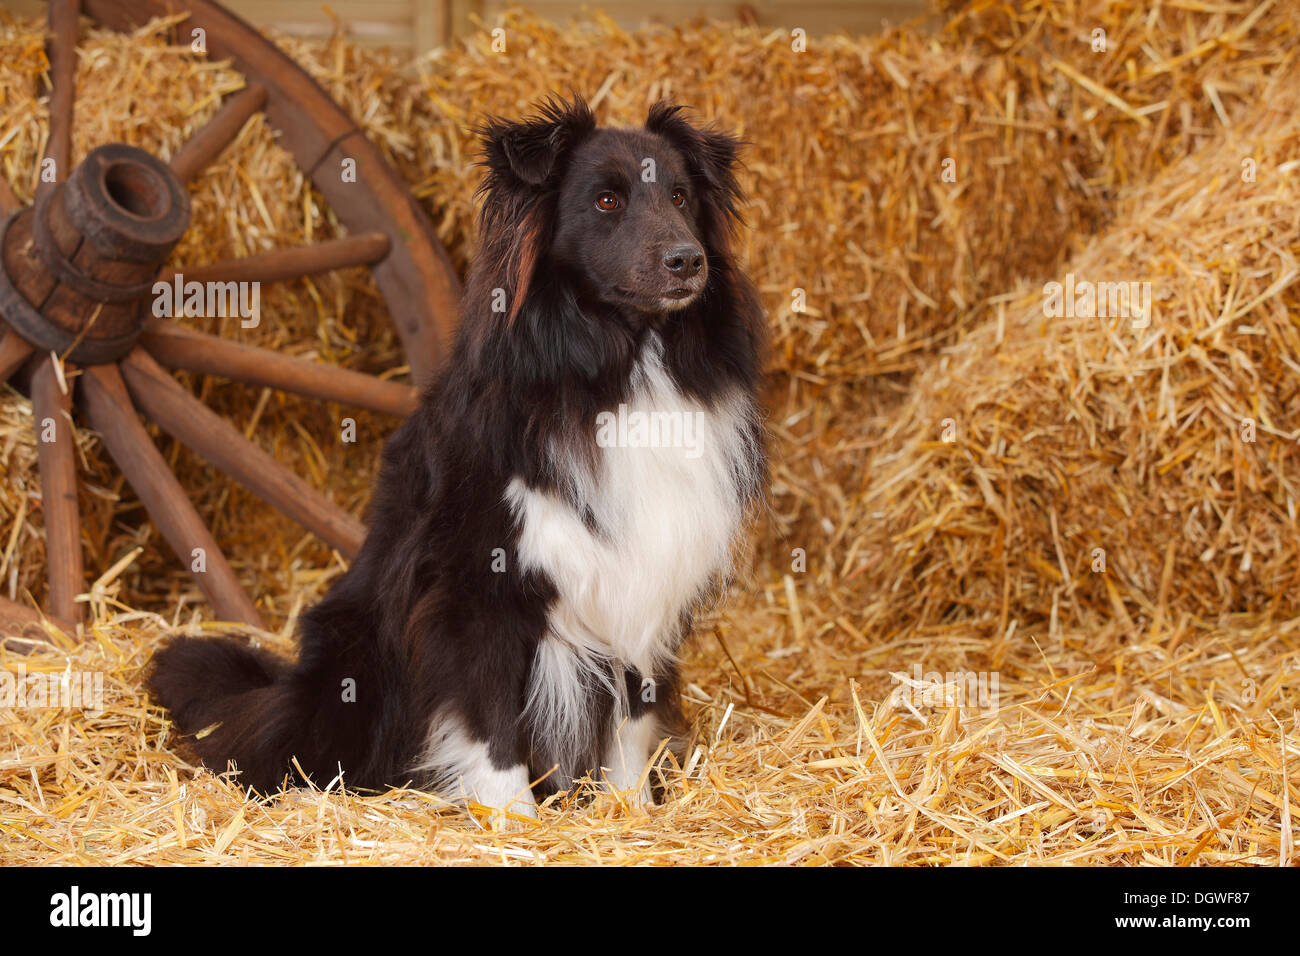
x: 1173, y: 447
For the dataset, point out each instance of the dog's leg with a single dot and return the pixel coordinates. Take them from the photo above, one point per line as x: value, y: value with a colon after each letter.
x: 631, y: 745
x: 466, y: 768
x: 499, y: 788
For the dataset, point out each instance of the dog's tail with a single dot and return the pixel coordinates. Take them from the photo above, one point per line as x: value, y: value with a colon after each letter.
x: 235, y: 704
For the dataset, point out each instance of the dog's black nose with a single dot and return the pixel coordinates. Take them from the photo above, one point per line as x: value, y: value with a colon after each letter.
x: 684, y: 261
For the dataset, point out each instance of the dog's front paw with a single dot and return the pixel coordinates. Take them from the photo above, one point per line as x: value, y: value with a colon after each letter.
x: 518, y: 816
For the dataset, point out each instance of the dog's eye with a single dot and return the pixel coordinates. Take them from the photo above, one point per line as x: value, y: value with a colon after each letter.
x: 607, y: 202
x: 679, y: 198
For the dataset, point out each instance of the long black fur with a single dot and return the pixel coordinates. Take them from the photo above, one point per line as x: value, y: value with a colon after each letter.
x: 421, y: 620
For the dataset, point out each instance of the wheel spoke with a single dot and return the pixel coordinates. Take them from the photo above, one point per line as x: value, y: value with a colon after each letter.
x: 108, y: 406
x: 217, y: 133
x: 61, y: 51
x: 24, y: 624
x: 293, y: 263
x: 13, y: 353
x: 56, y: 456
x: 8, y: 201
x: 187, y: 419
x: 181, y: 348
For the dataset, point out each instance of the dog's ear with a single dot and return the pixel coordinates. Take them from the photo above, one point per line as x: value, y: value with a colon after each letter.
x: 530, y: 150
x: 710, y: 153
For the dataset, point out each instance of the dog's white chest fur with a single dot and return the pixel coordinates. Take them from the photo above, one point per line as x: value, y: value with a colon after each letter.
x: 667, y: 504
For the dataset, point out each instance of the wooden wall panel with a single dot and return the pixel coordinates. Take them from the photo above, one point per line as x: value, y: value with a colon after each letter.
x: 418, y: 25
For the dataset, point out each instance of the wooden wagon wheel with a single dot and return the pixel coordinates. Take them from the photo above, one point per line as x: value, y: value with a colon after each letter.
x: 76, y: 275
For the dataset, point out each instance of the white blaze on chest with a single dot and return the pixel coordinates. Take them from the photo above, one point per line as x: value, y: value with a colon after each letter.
x: 666, y: 506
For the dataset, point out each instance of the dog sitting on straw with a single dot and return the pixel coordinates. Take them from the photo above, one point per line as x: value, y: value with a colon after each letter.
x: 566, y: 495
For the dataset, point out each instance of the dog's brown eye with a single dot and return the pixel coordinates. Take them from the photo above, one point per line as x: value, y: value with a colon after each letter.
x: 679, y: 198
x: 607, y: 202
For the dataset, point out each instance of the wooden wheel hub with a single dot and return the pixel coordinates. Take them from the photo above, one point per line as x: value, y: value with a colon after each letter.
x: 76, y: 269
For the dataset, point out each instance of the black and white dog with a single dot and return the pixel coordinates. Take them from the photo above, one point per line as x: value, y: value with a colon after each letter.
x: 567, y: 494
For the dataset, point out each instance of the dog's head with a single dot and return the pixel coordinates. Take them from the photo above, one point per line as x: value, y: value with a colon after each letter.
x: 632, y: 216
